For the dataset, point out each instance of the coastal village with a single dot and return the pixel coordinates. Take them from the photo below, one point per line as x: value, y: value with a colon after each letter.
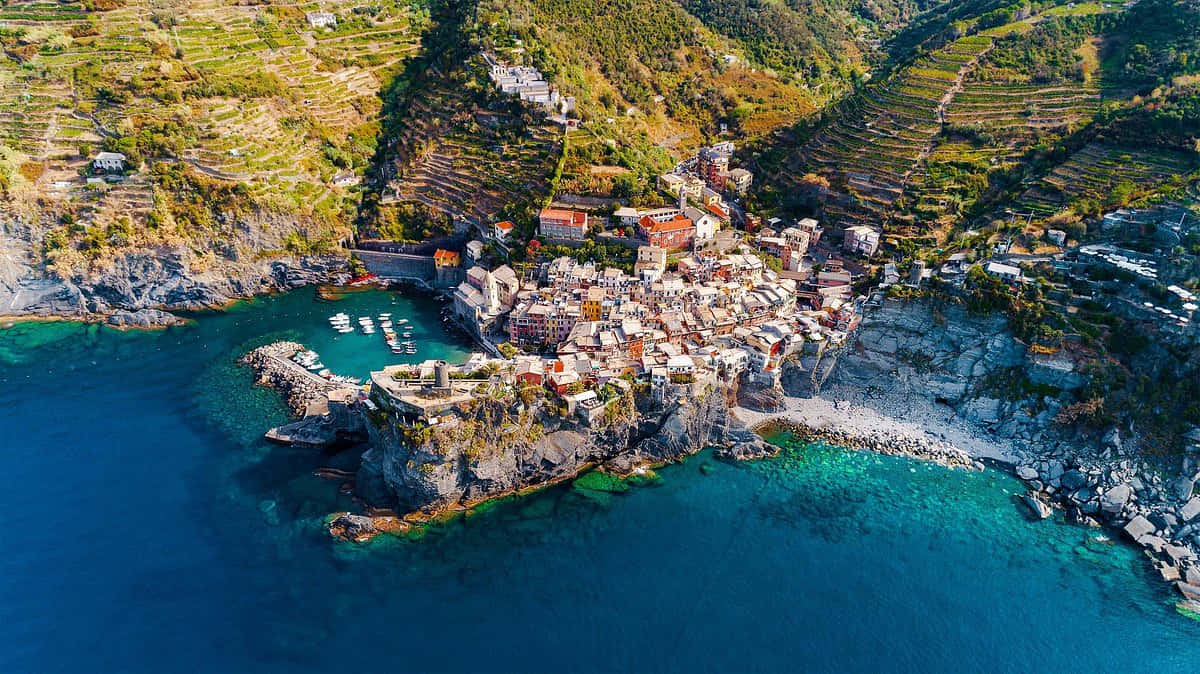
x: 718, y: 303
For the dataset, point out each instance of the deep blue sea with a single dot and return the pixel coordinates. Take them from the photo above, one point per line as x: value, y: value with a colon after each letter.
x: 150, y: 529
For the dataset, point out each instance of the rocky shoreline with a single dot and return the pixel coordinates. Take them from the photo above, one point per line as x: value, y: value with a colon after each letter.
x: 890, y: 443
x: 1117, y: 489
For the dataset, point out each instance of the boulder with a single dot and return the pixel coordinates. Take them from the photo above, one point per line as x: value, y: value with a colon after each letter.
x: 1152, y: 542
x: 1179, y: 554
x: 1188, y: 590
x: 1183, y: 488
x: 1138, y: 527
x: 1193, y: 575
x: 1040, y: 510
x: 1190, y: 509
x: 1072, y: 480
x: 1027, y: 472
x: 1169, y: 573
x: 1113, y: 501
x: 1054, y: 470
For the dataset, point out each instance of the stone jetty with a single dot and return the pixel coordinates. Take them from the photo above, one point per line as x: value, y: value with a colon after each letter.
x: 303, y: 390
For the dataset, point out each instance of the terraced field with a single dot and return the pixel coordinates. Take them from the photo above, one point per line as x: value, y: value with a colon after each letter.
x: 1098, y: 169
x: 912, y: 151
x: 243, y: 92
x: 873, y: 151
x: 464, y: 151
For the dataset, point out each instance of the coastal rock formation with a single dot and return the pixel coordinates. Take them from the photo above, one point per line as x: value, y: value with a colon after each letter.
x: 917, y: 356
x: 167, y: 276
x: 499, y: 449
x: 143, y: 319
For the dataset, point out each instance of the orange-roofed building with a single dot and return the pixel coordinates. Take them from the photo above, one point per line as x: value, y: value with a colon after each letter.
x: 503, y: 230
x: 560, y: 223
x: 678, y: 232
x: 446, y: 258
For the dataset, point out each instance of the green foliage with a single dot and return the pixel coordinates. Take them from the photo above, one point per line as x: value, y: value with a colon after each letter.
x: 250, y: 85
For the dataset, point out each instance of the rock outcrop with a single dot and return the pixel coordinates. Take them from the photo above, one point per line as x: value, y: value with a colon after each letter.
x: 170, y: 277
x: 501, y: 449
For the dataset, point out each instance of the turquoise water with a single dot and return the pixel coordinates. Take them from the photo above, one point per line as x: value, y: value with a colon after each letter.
x: 150, y: 528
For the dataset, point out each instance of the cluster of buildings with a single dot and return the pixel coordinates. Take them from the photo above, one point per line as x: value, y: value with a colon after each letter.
x: 790, y: 244
x: 707, y: 173
x: 528, y: 84
x: 725, y: 315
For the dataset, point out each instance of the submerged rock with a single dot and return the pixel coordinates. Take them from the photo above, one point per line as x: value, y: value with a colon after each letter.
x: 1039, y: 509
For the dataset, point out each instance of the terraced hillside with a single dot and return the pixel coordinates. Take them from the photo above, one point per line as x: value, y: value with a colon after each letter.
x: 461, y: 153
x: 914, y: 151
x: 873, y: 149
x: 246, y: 93
x: 1106, y: 174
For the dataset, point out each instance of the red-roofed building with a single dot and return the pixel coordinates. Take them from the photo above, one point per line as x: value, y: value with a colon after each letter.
x: 678, y: 232
x: 558, y: 223
x: 503, y: 229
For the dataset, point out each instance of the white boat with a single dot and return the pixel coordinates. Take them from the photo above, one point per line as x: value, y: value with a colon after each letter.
x: 345, y: 329
x: 408, y: 334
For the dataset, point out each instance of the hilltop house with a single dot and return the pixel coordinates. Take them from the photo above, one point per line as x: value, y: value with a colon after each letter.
x: 109, y: 161
x: 558, y: 223
x: 321, y: 19
x: 502, y: 230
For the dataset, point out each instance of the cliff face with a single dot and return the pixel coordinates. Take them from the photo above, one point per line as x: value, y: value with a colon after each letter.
x: 908, y: 353
x: 501, y: 449
x: 168, y: 274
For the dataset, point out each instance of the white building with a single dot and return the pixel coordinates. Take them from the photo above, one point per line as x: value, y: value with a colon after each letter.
x: 109, y: 161
x: 321, y: 19
x: 1004, y: 271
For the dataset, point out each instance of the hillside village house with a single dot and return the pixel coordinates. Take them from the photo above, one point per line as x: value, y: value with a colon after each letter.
x: 347, y: 179
x: 738, y: 181
x: 503, y: 230
x: 651, y: 263
x: 446, y: 258
x: 1004, y: 271
x: 861, y: 240
x: 109, y: 161
x: 560, y: 223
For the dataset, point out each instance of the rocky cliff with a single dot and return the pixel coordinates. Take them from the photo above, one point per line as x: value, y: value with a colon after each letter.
x: 908, y: 355
x: 167, y: 274
x: 501, y: 447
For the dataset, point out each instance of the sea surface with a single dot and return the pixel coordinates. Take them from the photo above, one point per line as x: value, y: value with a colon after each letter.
x: 149, y: 528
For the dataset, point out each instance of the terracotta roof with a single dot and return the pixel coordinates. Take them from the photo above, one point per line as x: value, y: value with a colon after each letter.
x: 676, y: 224
x: 505, y: 225
x: 445, y: 255
x: 574, y: 218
